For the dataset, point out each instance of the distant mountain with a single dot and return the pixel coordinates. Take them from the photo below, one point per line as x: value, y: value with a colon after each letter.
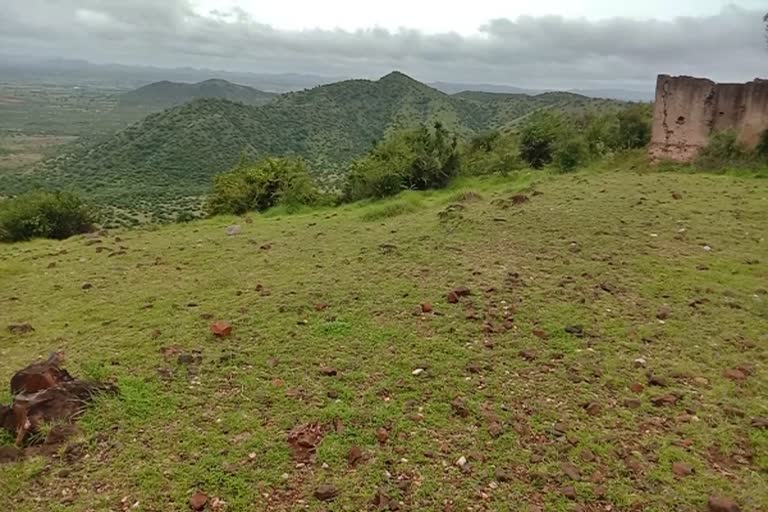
x: 618, y: 94
x: 163, y: 95
x: 176, y: 152
x: 455, y: 88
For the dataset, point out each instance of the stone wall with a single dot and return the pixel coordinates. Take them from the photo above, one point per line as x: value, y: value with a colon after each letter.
x: 689, y: 110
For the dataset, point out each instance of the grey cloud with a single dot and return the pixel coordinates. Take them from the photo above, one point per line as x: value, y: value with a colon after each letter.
x: 533, y: 51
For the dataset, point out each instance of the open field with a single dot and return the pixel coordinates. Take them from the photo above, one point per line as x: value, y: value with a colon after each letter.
x: 18, y: 151
x: 485, y: 404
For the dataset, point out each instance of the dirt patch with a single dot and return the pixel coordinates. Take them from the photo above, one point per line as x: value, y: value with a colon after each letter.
x: 304, y: 440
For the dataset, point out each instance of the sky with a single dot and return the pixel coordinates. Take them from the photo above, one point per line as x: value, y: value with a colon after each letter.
x: 558, y: 44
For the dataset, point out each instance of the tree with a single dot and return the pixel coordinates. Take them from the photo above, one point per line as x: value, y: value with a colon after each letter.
x: 538, y: 138
x: 43, y: 214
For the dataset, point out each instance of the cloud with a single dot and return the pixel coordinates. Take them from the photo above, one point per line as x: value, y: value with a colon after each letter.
x: 548, y: 51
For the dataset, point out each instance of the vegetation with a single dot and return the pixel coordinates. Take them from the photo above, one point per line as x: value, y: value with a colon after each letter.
x: 163, y: 95
x: 417, y: 159
x: 262, y: 185
x: 725, y: 151
x: 504, y: 386
x: 43, y: 214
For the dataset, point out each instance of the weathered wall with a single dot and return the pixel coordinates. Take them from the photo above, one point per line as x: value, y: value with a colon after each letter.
x: 689, y: 110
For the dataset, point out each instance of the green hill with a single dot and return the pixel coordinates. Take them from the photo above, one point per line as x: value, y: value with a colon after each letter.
x: 163, y: 95
x: 175, y: 153
x: 602, y: 356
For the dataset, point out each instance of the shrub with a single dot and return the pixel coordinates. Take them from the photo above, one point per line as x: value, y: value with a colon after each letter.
x: 491, y: 153
x: 538, y: 138
x: 417, y: 159
x: 571, y: 153
x: 723, y: 150
x: 634, y: 129
x: 262, y: 185
x: 43, y: 214
x: 762, y: 146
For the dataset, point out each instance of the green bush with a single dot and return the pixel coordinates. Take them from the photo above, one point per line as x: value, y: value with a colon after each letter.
x: 724, y: 150
x: 416, y: 159
x: 43, y: 214
x: 538, y: 138
x: 762, y: 147
x: 634, y: 129
x: 491, y: 153
x: 571, y: 154
x: 261, y: 185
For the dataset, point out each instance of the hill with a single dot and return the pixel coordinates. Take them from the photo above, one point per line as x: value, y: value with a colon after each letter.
x: 163, y: 95
x: 175, y: 153
x: 612, y: 413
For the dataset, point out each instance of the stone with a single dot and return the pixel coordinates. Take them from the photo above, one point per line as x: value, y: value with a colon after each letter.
x: 541, y: 334
x: 355, y: 456
x: 760, y: 422
x: 640, y: 362
x: 326, y: 493
x: 632, y: 403
x: 21, y: 328
x: 417, y: 372
x: 221, y: 329
x: 569, y: 492
x: 576, y: 330
x: 235, y: 229
x: 460, y: 408
x: 665, y: 400
x: 426, y: 308
x: 452, y: 298
x: 682, y: 469
x: 723, y: 504
x: 86, y: 286
x: 637, y: 387
x: 528, y: 355
x: 328, y: 371
x: 503, y: 476
x: 571, y: 471
x: 735, y: 374
x: 593, y: 409
x: 664, y: 312
x: 198, y: 501
x: 382, y: 435
x: 462, y: 291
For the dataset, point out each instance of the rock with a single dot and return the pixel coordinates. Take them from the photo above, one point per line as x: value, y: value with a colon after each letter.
x: 355, y: 456
x: 723, y: 504
x: 528, y: 355
x: 655, y: 380
x: 460, y: 408
x: 322, y: 306
x: 519, y: 199
x: 452, y: 298
x: 381, y: 501
x: 496, y: 429
x: 417, y: 371
x: 640, y: 362
x: 541, y: 334
x: 682, y: 469
x: 86, y: 286
x: 637, y: 387
x: 10, y: 454
x: 569, y: 492
x: 382, y: 435
x: 221, y: 329
x: 760, y: 422
x: 503, y: 475
x: 571, y: 471
x: 462, y: 291
x: 588, y: 455
x: 328, y: 371
x: 701, y: 382
x: 664, y: 312
x: 461, y: 462
x: 21, y: 328
x: 332, y: 394
x: 594, y: 409
x: 665, y: 400
x: 235, y: 229
x: 633, y: 464
x: 576, y: 330
x: 190, y: 358
x: 198, y: 501
x: 326, y: 493
x: 735, y: 374
x: 560, y: 428
x: 677, y: 196
x: 426, y: 307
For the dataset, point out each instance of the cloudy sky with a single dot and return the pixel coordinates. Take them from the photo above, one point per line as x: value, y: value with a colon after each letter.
x: 533, y: 43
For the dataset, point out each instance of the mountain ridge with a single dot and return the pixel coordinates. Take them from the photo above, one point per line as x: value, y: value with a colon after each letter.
x: 166, y: 94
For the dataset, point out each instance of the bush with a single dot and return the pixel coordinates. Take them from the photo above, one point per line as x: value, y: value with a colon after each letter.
x: 724, y: 150
x: 491, y: 153
x: 571, y: 153
x: 538, y: 138
x: 417, y: 159
x: 43, y: 214
x: 261, y: 185
x: 762, y: 147
x: 634, y: 129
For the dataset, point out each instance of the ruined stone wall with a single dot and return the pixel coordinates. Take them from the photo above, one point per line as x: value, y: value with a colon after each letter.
x: 688, y: 111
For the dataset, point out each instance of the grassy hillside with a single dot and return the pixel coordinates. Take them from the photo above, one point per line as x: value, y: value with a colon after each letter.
x: 163, y: 95
x: 175, y: 153
x: 544, y: 415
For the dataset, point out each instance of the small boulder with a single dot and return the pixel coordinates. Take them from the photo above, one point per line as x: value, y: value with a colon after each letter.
x: 735, y: 374
x: 723, y: 504
x: 221, y: 329
x: 21, y: 328
x: 326, y: 493
x: 198, y: 501
x: 235, y: 229
x: 682, y: 469
x: 426, y: 307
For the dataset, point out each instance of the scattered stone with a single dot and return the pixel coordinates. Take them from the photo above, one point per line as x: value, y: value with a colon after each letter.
x: 461, y: 462
x: 462, y: 291
x: 569, y: 492
x: 452, y: 298
x: 322, y: 306
x: 496, y: 429
x: 426, y: 307
x: 637, y: 387
x: 326, y: 493
x: 221, y: 329
x: 460, y: 408
x: 560, y: 428
x: 86, y: 286
x: 235, y: 229
x: 723, y: 504
x: 633, y: 464
x: 682, y: 469
x: 760, y: 422
x: 382, y: 435
x: 632, y: 403
x: 21, y: 328
x: 381, y: 501
x: 664, y: 312
x: 588, y: 455
x: 665, y: 400
x: 735, y: 374
x: 576, y: 330
x: 655, y: 380
x: 10, y: 454
x: 198, y: 501
x: 519, y: 199
x: 594, y: 409
x: 528, y: 355
x: 503, y: 476
x: 189, y: 358
x: 304, y: 440
x: 417, y: 371
x: 541, y: 334
x: 701, y: 381
x: 571, y: 471
x: 333, y: 394
x: 328, y: 371
x: 640, y: 362
x: 677, y: 195
x: 355, y: 456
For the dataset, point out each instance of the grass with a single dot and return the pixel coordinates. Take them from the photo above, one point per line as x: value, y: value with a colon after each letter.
x: 601, y: 248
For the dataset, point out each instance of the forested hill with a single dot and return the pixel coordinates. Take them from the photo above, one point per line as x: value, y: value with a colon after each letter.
x: 163, y: 95
x: 177, y: 152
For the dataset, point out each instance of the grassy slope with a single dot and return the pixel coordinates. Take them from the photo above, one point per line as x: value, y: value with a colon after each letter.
x: 162, y: 95
x: 159, y: 441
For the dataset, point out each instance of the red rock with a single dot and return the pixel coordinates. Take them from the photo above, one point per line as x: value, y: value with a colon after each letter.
x: 426, y: 307
x: 460, y: 408
x: 571, y: 471
x: 321, y: 306
x: 453, y: 298
x: 355, y: 456
x: 682, y: 469
x: 664, y: 312
x: 735, y: 374
x: 221, y: 329
x: 637, y: 387
x: 541, y: 334
x: 665, y: 400
x: 723, y: 504
x: 677, y: 195
x: 198, y: 501
x: 569, y: 492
